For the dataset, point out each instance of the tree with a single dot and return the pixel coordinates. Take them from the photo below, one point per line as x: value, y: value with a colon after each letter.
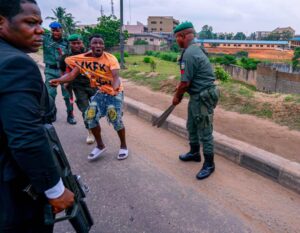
x: 286, y: 35
x: 108, y: 27
x: 239, y: 36
x: 175, y: 47
x: 222, y: 36
x: 273, y: 36
x: 228, y: 36
x: 206, y: 32
x: 65, y: 19
x: 295, y: 59
x: 252, y: 36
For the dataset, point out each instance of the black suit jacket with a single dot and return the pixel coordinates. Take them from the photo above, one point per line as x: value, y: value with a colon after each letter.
x: 24, y: 150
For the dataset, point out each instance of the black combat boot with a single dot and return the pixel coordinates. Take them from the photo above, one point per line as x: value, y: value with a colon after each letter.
x: 208, y: 167
x: 192, y: 155
x: 70, y: 119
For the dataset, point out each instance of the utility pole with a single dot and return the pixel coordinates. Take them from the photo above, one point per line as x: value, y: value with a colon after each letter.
x: 112, y: 8
x: 121, y: 36
x: 102, y: 11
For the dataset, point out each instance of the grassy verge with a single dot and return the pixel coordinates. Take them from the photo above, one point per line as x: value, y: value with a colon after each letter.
x: 235, y: 96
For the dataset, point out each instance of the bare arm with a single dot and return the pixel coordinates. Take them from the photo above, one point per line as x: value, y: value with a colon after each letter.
x: 116, y: 79
x: 180, y: 90
x: 68, y: 77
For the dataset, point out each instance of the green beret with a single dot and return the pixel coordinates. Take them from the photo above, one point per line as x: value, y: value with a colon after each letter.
x: 74, y: 37
x: 183, y: 26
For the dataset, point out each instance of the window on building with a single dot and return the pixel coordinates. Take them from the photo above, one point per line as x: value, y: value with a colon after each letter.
x: 153, y: 29
x: 268, y: 46
x: 272, y: 45
x: 153, y: 22
x: 229, y: 45
x: 246, y: 45
x: 250, y: 45
x: 261, y: 45
x: 239, y: 45
x: 257, y: 45
x: 151, y: 39
x: 161, y: 29
x: 160, y: 22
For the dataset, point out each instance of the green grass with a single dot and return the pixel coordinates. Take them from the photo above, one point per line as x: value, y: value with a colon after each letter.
x: 162, y: 67
x: 235, y: 95
x: 140, y: 72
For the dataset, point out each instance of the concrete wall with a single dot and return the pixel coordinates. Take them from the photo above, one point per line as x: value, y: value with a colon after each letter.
x: 241, y: 74
x: 271, y: 80
x: 141, y: 49
x: 267, y: 79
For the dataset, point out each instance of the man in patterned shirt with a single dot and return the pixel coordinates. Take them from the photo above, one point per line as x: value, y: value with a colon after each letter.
x: 102, y: 69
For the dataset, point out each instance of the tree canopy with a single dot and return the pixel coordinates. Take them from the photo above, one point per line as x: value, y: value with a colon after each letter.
x: 65, y: 19
x: 207, y: 33
x: 239, y: 36
x: 108, y: 27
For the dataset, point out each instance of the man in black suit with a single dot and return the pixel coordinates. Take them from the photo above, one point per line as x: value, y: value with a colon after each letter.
x: 25, y: 156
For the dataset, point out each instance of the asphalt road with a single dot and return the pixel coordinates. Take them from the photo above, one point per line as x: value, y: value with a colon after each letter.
x: 153, y: 192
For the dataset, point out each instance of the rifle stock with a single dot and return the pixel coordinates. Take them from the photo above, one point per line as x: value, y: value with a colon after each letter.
x: 78, y: 215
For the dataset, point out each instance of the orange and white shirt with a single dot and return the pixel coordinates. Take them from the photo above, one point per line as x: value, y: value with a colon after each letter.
x: 97, y: 69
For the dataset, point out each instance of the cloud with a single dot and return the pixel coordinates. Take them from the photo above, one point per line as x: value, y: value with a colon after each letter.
x: 223, y: 15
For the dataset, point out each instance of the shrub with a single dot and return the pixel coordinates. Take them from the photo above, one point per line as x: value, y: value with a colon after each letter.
x: 147, y: 59
x: 140, y: 42
x: 153, y: 65
x: 249, y: 63
x: 242, y: 54
x: 221, y: 74
x: 168, y: 56
x: 228, y: 60
x: 174, y: 47
x: 118, y: 56
x: 149, y: 53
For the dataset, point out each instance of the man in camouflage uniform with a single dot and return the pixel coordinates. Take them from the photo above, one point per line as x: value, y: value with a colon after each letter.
x: 55, y: 46
x: 81, y: 84
x: 197, y: 78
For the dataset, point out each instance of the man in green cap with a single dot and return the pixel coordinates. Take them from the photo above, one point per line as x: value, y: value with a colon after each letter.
x: 81, y: 85
x: 54, y: 47
x: 197, y: 79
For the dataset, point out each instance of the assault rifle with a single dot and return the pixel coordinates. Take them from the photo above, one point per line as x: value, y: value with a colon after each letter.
x: 78, y: 215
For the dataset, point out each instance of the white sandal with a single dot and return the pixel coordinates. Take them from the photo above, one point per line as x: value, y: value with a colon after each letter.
x: 123, y: 154
x: 96, y: 152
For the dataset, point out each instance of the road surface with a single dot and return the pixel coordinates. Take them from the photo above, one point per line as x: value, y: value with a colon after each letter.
x: 153, y: 192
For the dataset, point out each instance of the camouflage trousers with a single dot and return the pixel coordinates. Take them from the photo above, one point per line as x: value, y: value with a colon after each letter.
x: 83, y: 96
x: 200, y: 119
x: 53, y: 74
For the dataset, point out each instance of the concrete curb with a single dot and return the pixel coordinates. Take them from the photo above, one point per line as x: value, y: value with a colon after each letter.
x: 270, y: 165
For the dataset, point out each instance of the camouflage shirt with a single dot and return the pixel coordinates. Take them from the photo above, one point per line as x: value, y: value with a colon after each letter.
x: 54, y: 50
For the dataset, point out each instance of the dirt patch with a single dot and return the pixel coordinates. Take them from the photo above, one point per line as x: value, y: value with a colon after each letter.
x: 168, y: 86
x: 172, y: 77
x: 152, y: 74
x: 265, y: 54
x: 141, y: 74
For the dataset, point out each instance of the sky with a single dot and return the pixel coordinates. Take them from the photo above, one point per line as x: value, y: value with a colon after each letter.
x: 223, y: 15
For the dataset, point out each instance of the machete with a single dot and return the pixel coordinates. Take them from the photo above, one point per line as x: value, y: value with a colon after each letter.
x: 160, y: 120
